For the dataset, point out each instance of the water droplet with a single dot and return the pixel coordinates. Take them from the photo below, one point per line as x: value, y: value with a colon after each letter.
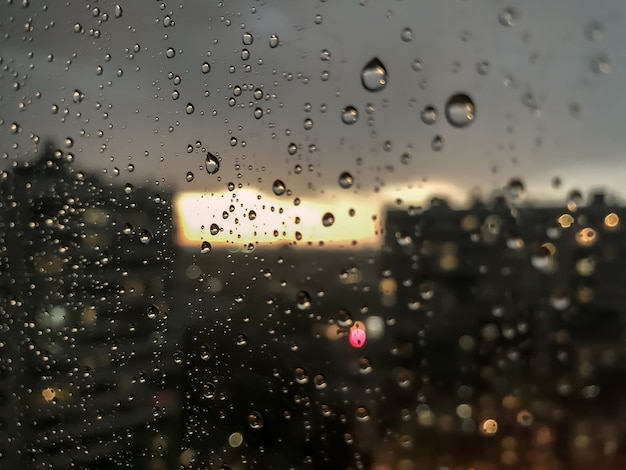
x: 303, y: 300
x: 279, y: 188
x: 245, y: 54
x: 189, y: 177
x: 153, y: 311
x: 460, y: 110
x: 211, y: 163
x: 349, y: 115
x: 374, y: 75
x: 601, y: 65
x: 507, y: 17
x: 214, y: 229
x: 255, y: 420
x: 208, y: 390
x: 77, y: 96
x: 206, y: 67
x: 258, y: 113
x: 344, y: 319
x: 320, y: 381
x: 407, y: 35
x: 345, y: 180
x: 595, y: 31
x: 241, y: 340
x: 308, y: 124
x: 482, y: 67
x: 416, y: 65
x: 429, y: 115
x: 273, y: 41
x: 189, y: 108
x: 362, y: 414
x: 205, y: 247
x: 292, y: 148
x: 251, y: 215
x: 365, y: 366
x: 145, y: 236
x: 437, y: 143
x: 128, y: 188
x: 247, y: 38
x: 170, y: 52
x: 515, y: 190
x: 118, y: 11
x: 325, y: 55
x: 301, y: 376
x: 328, y: 219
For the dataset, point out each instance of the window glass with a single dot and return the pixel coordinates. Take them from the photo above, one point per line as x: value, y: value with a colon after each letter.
x: 375, y: 234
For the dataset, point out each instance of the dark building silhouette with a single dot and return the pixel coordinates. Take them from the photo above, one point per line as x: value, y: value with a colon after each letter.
x: 86, y: 285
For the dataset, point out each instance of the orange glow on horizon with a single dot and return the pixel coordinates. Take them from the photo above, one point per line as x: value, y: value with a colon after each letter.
x: 245, y: 217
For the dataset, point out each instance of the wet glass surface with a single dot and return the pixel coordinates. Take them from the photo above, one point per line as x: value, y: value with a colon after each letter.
x: 354, y: 235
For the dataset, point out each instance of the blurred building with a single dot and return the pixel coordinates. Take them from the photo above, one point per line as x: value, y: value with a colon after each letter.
x: 85, y: 284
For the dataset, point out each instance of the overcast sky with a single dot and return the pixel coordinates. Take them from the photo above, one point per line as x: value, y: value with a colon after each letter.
x: 549, y: 104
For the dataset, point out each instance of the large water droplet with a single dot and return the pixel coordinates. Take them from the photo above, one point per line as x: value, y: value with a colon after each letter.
x: 189, y: 108
x: 189, y: 177
x: 211, y: 163
x: 145, y: 236
x: 273, y: 41
x: 374, y: 75
x: 460, y: 110
x: 206, y: 67
x: 345, y: 180
x: 349, y: 115
x: 328, y: 219
x: 279, y: 188
x: 205, y: 247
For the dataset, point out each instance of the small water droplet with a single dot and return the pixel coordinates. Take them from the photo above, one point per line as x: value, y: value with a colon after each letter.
x: 189, y: 177
x: 205, y: 247
x: 508, y: 17
x: 374, y: 75
x: 346, y: 180
x: 320, y: 381
x: 292, y: 148
x: 303, y: 300
x: 170, y: 52
x: 145, y: 236
x: 407, y: 35
x: 241, y: 340
x: 255, y: 420
x: 482, y: 67
x: 515, y: 190
x: 301, y: 376
x: 128, y: 188
x: 437, y: 143
x: 189, y: 108
x: 205, y: 68
x: 460, y: 110
x: 247, y: 38
x: 349, y: 115
x: 328, y: 219
x: 214, y: 229
x: 429, y: 115
x: 208, y: 389
x: 595, y: 31
x: 258, y: 113
x: 362, y: 414
x: 211, y: 164
x: 308, y: 124
x: 153, y: 312
x: 274, y: 41
x: 278, y: 188
x: 601, y: 65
